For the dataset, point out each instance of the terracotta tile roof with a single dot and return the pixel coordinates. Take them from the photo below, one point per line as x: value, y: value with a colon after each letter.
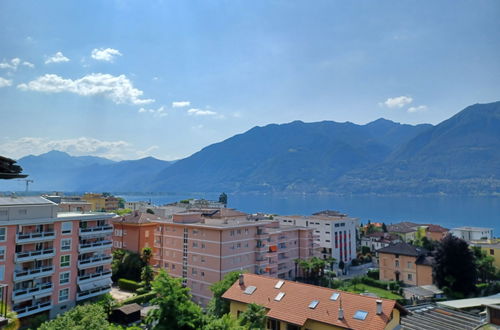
x: 293, y: 307
x: 436, y: 228
x: 137, y: 217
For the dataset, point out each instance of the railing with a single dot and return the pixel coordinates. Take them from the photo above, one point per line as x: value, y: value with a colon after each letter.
x: 94, y: 275
x: 28, y: 310
x: 35, y: 236
x: 104, y: 244
x: 30, y: 291
x: 34, y: 253
x: 19, y: 275
x: 92, y: 293
x: 87, y: 261
x: 96, y: 229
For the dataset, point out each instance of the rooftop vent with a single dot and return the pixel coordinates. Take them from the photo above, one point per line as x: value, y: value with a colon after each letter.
x: 360, y: 315
x: 241, y: 279
x: 279, y: 284
x: 379, y: 307
x: 335, y: 296
x: 313, y: 304
x: 279, y: 296
x: 250, y: 289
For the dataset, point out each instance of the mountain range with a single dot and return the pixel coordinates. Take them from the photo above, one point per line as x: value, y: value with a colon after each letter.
x: 461, y: 155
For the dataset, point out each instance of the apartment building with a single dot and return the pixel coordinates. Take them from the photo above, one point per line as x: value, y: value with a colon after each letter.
x: 51, y: 260
x: 473, y: 233
x: 336, y: 233
x: 410, y: 231
x: 202, y: 250
x: 379, y: 240
x: 100, y: 202
x: 293, y: 305
x: 134, y: 231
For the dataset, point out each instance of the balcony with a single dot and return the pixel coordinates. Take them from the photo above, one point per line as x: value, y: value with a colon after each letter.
x: 34, y: 255
x: 93, y: 292
x: 94, y: 261
x: 35, y: 237
x: 29, y: 310
x: 93, y: 277
x: 261, y: 248
x: 95, y: 246
x: 29, y: 274
x: 20, y: 294
x: 96, y: 231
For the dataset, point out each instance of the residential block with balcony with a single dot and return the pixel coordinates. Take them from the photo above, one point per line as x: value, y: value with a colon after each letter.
x: 50, y: 260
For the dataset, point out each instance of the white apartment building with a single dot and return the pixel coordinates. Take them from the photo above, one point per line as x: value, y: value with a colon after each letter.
x: 472, y: 233
x: 336, y: 234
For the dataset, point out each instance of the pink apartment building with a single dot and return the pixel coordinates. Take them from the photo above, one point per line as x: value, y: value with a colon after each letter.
x: 202, y: 250
x: 51, y: 260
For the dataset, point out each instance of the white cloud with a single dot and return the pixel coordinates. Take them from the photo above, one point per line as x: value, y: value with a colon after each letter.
x: 199, y: 112
x: 419, y: 108
x: 57, y: 58
x: 160, y: 112
x: 181, y: 104
x: 12, y: 64
x: 397, y: 102
x: 28, y: 64
x: 118, y: 89
x: 107, y: 55
x: 5, y: 82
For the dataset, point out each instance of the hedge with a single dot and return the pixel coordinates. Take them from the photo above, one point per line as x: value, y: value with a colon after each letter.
x: 128, y: 285
x: 139, y: 299
x: 393, y: 285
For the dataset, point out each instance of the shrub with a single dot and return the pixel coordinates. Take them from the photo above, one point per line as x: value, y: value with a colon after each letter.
x: 355, y: 262
x: 373, y: 273
x: 139, y: 299
x: 128, y: 285
x: 393, y: 285
x: 365, y: 250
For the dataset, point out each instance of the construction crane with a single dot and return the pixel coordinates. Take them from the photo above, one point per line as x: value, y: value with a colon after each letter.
x: 28, y: 181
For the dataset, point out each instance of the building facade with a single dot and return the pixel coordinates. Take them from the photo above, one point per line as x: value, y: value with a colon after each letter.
x: 134, y: 231
x: 202, y: 250
x: 336, y: 234
x: 51, y: 260
x: 379, y: 240
x: 473, y: 233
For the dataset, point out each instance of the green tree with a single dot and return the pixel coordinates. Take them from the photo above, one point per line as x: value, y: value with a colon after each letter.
x: 150, y: 211
x: 107, y: 302
x: 146, y: 255
x: 223, y: 199
x: 11, y: 316
x: 219, y: 306
x: 82, y: 317
x: 484, y: 263
x: 126, y: 264
x: 455, y: 266
x: 224, y: 322
x: 384, y: 227
x: 254, y: 317
x: 175, y: 310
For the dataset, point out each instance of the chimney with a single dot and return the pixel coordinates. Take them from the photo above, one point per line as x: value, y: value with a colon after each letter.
x: 341, y: 313
x: 136, y: 213
x: 241, y: 280
x: 379, y: 307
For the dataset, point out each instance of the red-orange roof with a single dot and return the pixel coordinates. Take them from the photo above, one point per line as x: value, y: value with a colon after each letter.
x: 294, y: 306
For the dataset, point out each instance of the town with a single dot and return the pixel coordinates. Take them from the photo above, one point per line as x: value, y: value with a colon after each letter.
x: 200, y: 264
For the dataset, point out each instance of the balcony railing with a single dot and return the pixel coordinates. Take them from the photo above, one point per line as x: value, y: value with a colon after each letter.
x: 35, y: 237
x: 35, y: 254
x: 92, y: 293
x: 28, y: 292
x: 29, y: 310
x: 94, y: 261
x: 87, y: 247
x: 95, y: 276
x: 22, y: 275
x: 107, y: 229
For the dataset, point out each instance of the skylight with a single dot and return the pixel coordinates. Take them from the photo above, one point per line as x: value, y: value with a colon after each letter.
x: 250, y: 289
x: 360, y: 315
x: 279, y: 296
x: 279, y: 284
x: 335, y: 296
x: 313, y: 304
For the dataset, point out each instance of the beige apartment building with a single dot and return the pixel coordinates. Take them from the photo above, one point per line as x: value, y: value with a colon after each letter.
x: 50, y: 260
x: 201, y: 250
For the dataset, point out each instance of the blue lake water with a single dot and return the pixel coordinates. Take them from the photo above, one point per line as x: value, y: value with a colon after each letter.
x: 446, y: 211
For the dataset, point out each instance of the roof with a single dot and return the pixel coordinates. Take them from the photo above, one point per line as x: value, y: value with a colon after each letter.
x: 130, y: 308
x: 425, y: 260
x: 137, y: 217
x: 294, y: 305
x: 403, y: 227
x: 436, y: 228
x: 403, y: 248
x: 471, y: 302
x: 24, y: 200
x: 431, y: 317
x: 473, y: 228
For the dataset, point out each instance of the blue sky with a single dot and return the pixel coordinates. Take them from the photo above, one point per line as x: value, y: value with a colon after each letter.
x: 128, y: 79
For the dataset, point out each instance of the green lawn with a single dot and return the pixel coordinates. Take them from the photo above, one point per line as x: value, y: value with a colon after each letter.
x: 362, y: 288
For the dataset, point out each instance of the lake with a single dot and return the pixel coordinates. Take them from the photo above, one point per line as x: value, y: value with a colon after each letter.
x: 447, y: 211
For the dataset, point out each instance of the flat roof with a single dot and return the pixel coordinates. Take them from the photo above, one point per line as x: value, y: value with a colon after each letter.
x: 472, y: 228
x: 230, y: 224
x: 24, y: 200
x: 471, y: 302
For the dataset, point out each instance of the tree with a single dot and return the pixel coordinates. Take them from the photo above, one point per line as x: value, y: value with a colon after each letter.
x: 455, y: 266
x: 146, y: 255
x: 219, y: 306
x: 175, y: 310
x: 223, y: 199
x: 150, y: 211
x: 341, y: 265
x: 225, y: 322
x: 384, y: 227
x: 82, y: 317
x: 107, y: 302
x: 254, y: 317
x: 11, y: 316
x: 147, y: 276
x: 126, y: 264
x: 484, y: 263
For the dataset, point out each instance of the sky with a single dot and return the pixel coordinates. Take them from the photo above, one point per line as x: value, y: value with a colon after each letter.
x: 130, y: 79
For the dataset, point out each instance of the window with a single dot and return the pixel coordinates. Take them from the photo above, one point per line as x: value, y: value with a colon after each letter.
x: 146, y: 234
x: 4, y: 213
x: 66, y: 227
x: 118, y: 232
x: 360, y: 315
x: 409, y: 264
x: 195, y: 244
x: 202, y: 245
x: 202, y: 274
x: 63, y: 295
x: 117, y: 244
x: 66, y: 244
x: 2, y: 253
x: 246, y: 231
x: 410, y: 277
x: 3, y: 234
x: 232, y: 233
x: 202, y: 259
x: 2, y: 272
x: 492, y: 251
x: 65, y: 260
x: 64, y: 278
x: 397, y: 263
x: 238, y: 231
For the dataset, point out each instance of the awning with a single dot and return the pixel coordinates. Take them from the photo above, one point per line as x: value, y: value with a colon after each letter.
x: 95, y: 284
